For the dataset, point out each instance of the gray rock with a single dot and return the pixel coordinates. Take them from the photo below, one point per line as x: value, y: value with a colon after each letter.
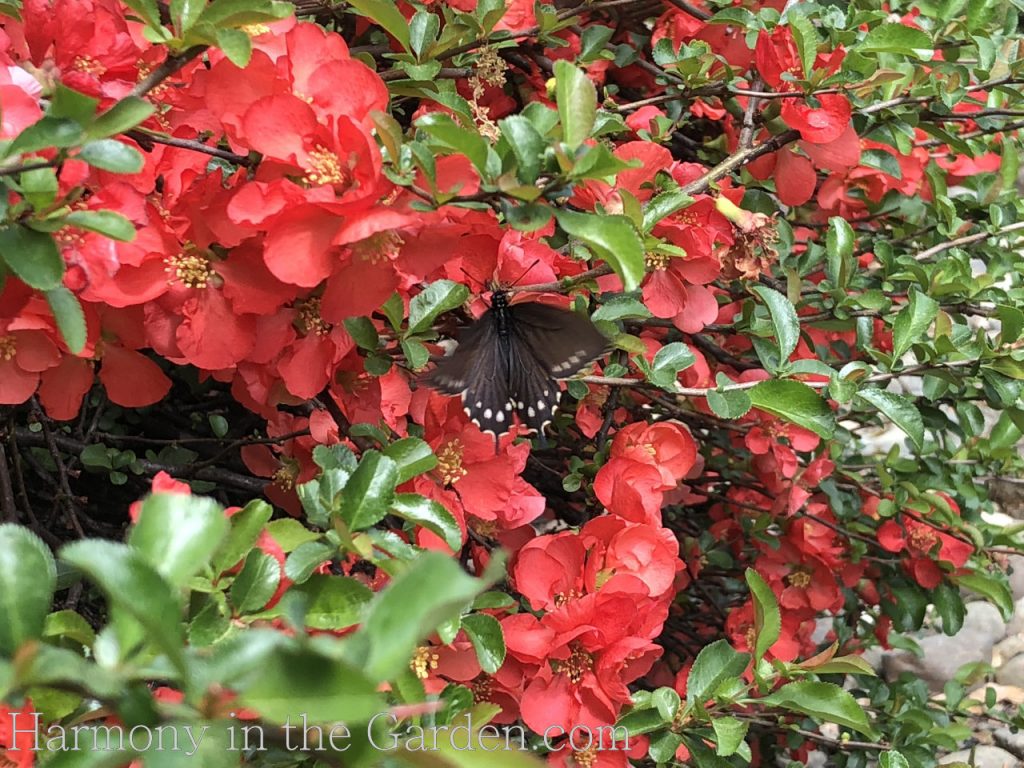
x: 1016, y: 625
x: 1017, y: 576
x: 1012, y: 672
x: 944, y: 655
x: 1010, y: 741
x: 1007, y: 648
x: 984, y: 757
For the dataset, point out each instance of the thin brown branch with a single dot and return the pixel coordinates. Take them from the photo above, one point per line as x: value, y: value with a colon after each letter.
x: 169, y: 66
x: 143, y: 137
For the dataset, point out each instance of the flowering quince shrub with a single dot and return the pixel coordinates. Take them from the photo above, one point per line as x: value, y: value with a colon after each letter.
x: 236, y: 233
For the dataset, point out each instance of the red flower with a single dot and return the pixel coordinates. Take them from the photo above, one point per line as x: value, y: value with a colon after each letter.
x: 17, y: 739
x: 818, y: 124
x: 924, y: 545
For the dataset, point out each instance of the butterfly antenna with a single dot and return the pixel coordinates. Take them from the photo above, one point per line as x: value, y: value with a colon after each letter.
x: 525, y: 272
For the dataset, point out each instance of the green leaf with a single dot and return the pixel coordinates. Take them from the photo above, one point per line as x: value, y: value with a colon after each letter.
x: 306, y: 558
x: 236, y: 45
x: 289, y: 533
x: 839, y: 252
x: 715, y: 664
x: 370, y: 491
x: 668, y: 362
x: 663, y: 206
x: 239, y: 13
x: 805, y: 37
x: 729, y: 734
x: 178, y: 534
x: 39, y: 187
x: 526, y: 143
x: 363, y: 332
x: 898, y: 38
x: 71, y: 625
x: 912, y: 321
x: 256, y: 583
x: 440, y: 296
x: 111, y: 155
x: 612, y: 238
x: 71, y: 104
x: 334, y: 602
x: 429, y: 514
x: 899, y: 410
x: 991, y: 588
x: 46, y: 133
x: 784, y: 321
x: 485, y: 633
x: 732, y: 404
x: 108, y: 223
x: 416, y: 355
x: 1011, y: 323
x: 419, y: 599
x: 950, y: 607
x: 245, y: 529
x: 447, y: 134
x: 28, y: 578
x: 122, y: 116
x: 423, y: 31
x: 185, y: 13
x: 577, y: 103
x: 32, y: 256
x: 767, y: 617
x: 413, y: 457
x: 621, y: 308
x: 824, y: 701
x: 133, y: 586
x: 67, y: 311
x: 385, y: 14
x: 892, y: 759
x: 795, y: 402
x: 297, y: 682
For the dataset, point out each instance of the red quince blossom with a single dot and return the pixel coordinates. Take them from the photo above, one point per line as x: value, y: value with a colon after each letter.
x: 17, y: 739
x: 924, y: 545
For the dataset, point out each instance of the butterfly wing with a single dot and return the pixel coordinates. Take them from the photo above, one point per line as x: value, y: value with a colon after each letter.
x: 563, y: 342
x: 478, y: 370
x: 534, y: 393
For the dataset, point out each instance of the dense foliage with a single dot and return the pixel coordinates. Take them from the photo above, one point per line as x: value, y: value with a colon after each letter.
x: 235, y: 233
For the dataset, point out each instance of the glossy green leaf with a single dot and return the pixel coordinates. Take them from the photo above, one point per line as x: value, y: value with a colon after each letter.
x: 898, y: 38
x: 411, y: 607
x: 122, y: 116
x: 824, y: 701
x: 668, y: 362
x: 428, y: 514
x: 576, y: 97
x: 236, y: 45
x: 784, y: 321
x: 440, y: 296
x: 67, y: 311
x: 413, y: 457
x: 28, y: 578
x: 386, y: 15
x: 178, y: 534
x: 370, y: 491
x: 111, y: 155
x: 256, y: 583
x: 767, y: 616
x: 108, y: 223
x: 245, y: 528
x: 333, y: 602
x: 795, y: 402
x: 729, y: 734
x: 526, y: 143
x: 912, y: 321
x: 612, y: 238
x: 485, y: 633
x: 900, y: 410
x: 716, y: 663
x: 32, y: 256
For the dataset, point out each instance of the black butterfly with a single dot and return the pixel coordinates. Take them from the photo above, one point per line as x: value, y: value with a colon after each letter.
x: 510, y: 359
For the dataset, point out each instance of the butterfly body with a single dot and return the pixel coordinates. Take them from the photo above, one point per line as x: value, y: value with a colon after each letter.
x: 509, y: 361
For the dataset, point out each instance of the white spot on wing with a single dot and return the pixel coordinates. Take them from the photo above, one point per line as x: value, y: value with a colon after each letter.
x: 487, y: 413
x: 499, y: 416
x: 541, y: 405
x: 530, y: 412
